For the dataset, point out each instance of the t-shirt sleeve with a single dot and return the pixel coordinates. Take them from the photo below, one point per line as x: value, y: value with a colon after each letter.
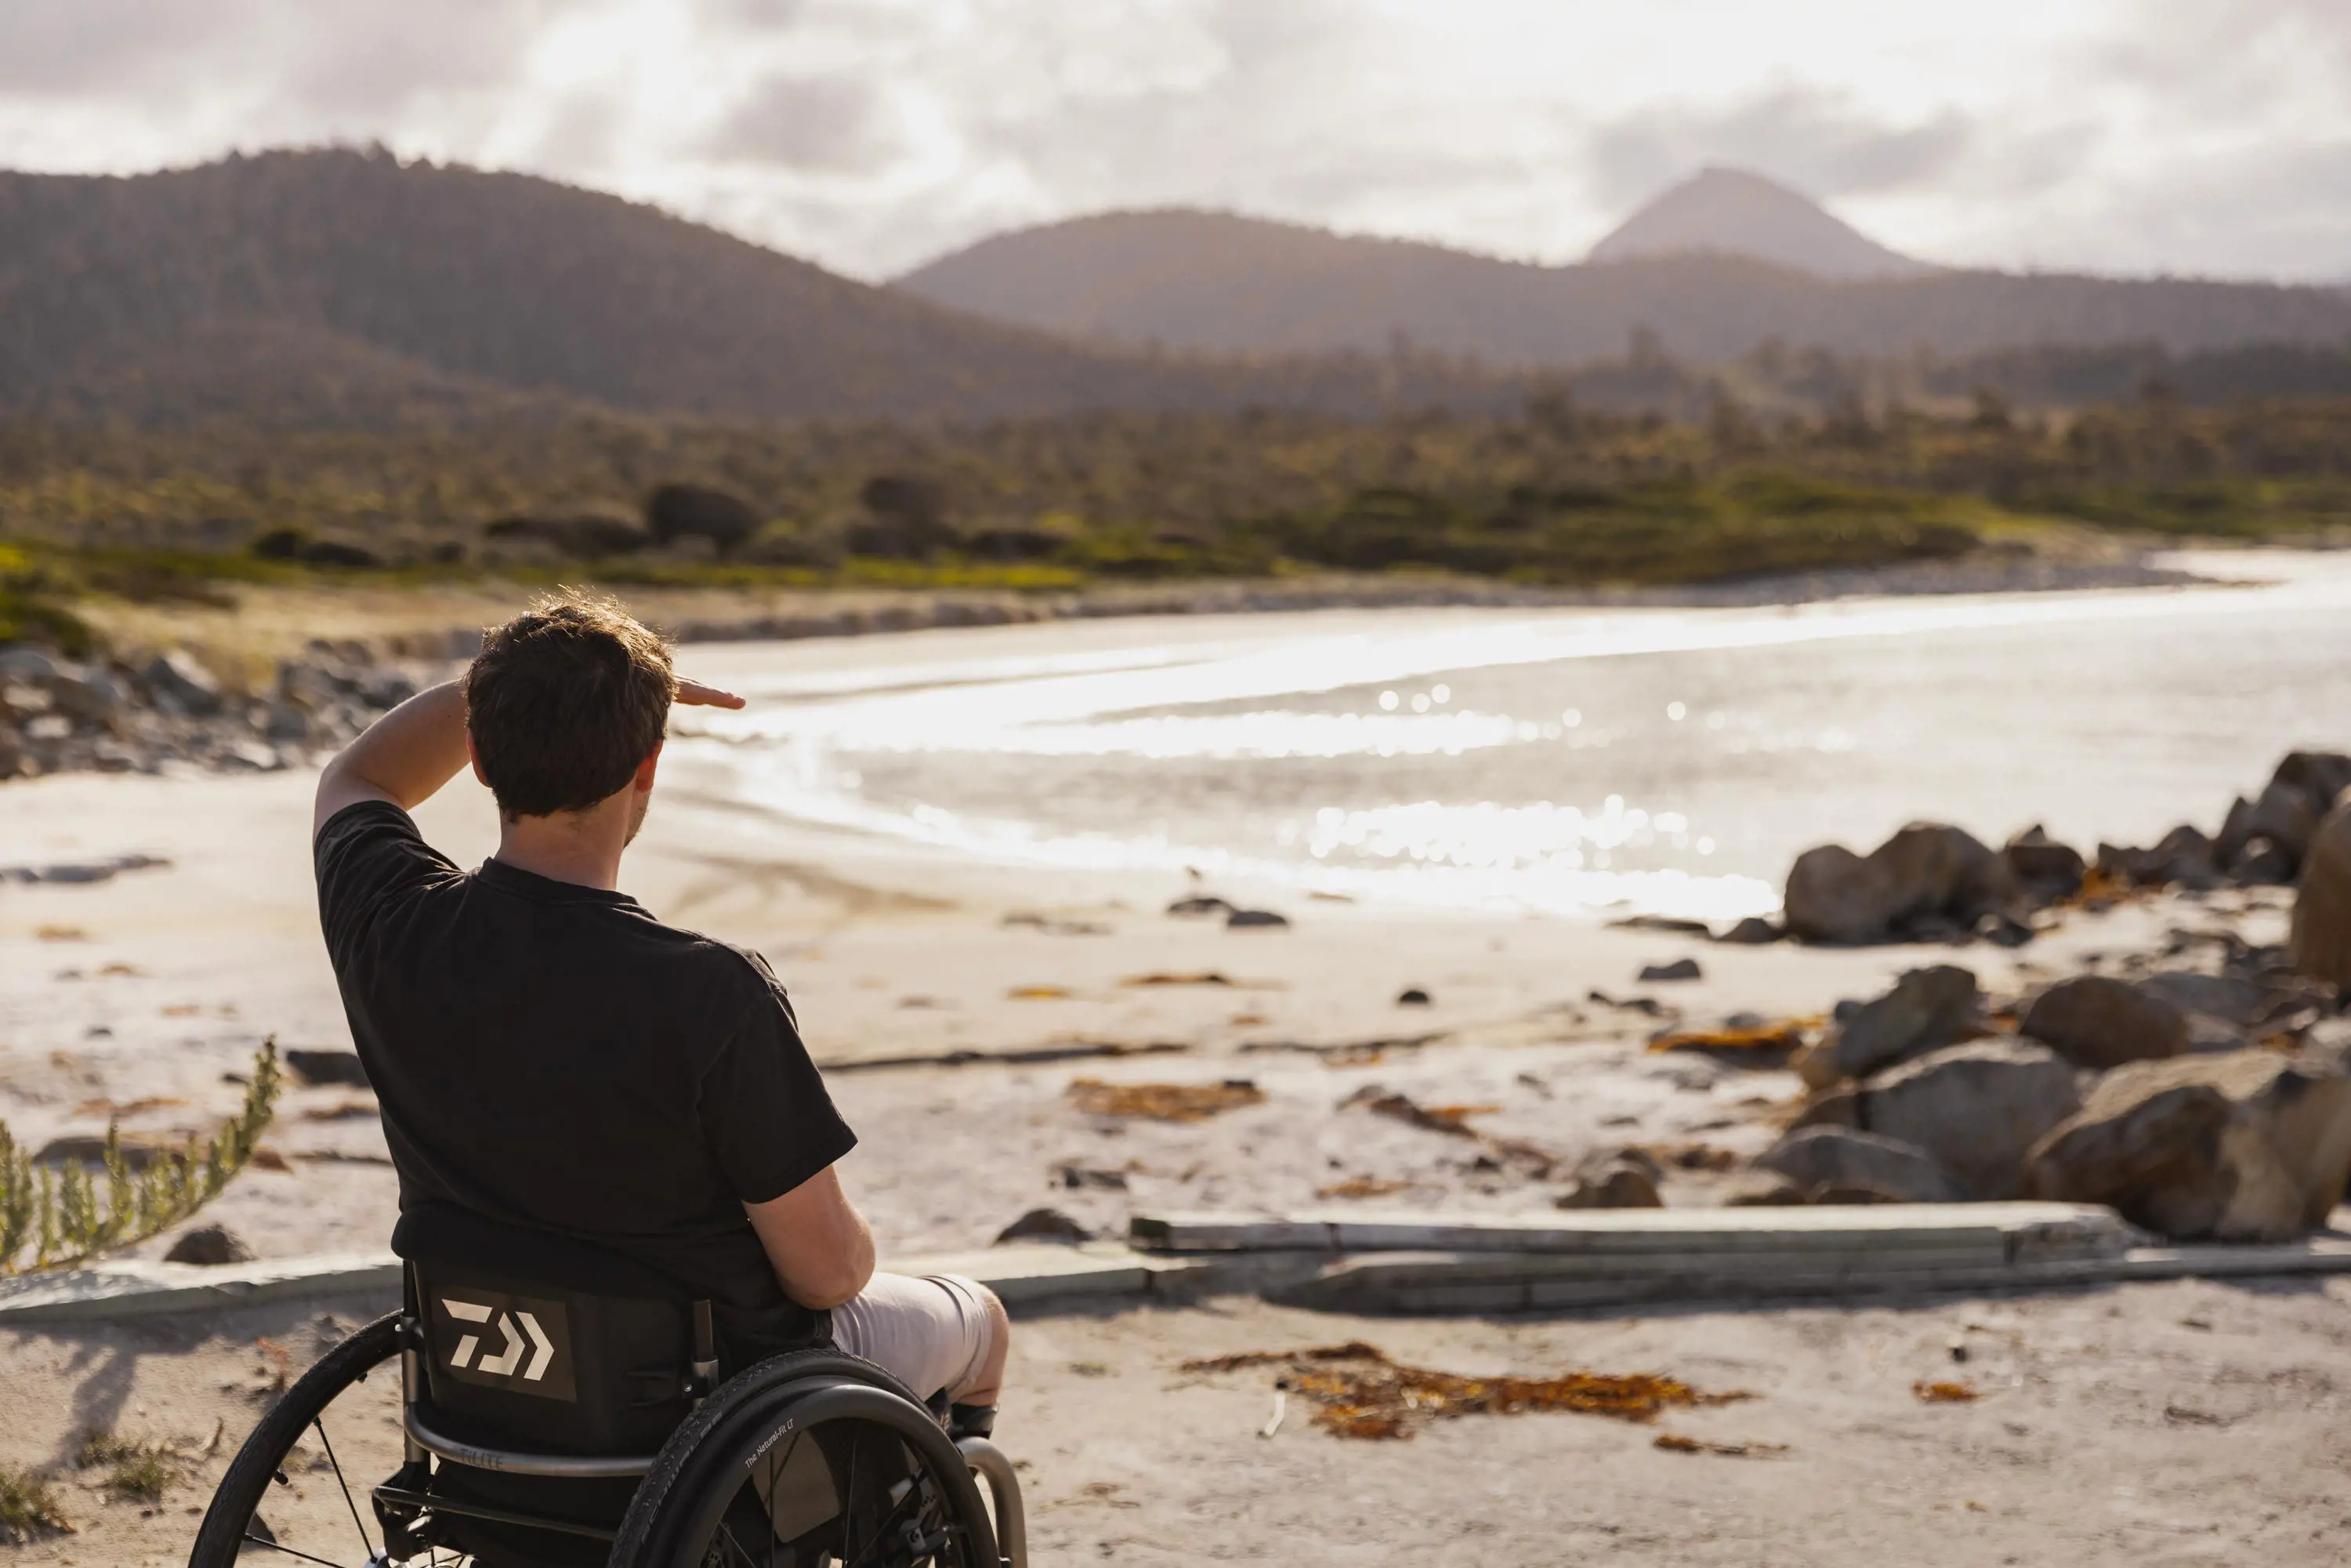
x: 368, y: 856
x: 770, y: 1122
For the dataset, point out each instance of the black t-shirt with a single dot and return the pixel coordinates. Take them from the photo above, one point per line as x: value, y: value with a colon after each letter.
x: 551, y: 1055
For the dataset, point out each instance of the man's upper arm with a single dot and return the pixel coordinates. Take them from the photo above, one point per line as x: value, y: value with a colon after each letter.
x: 340, y: 786
x: 365, y: 855
x: 769, y: 1121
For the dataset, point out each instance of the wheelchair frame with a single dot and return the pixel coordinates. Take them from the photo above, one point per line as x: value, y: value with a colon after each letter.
x: 399, y: 1501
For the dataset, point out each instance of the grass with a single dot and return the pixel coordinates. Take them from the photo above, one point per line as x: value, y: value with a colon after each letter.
x: 29, y: 1507
x: 140, y: 1471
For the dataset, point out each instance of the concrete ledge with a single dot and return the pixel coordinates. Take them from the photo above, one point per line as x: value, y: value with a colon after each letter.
x: 1985, y: 1233
x: 1020, y: 1275
x: 1509, y: 1263
x: 138, y: 1289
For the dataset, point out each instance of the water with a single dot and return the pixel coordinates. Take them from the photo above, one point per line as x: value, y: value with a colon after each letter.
x: 1671, y: 761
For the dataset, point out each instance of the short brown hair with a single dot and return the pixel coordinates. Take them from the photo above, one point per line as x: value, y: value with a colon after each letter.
x: 564, y: 702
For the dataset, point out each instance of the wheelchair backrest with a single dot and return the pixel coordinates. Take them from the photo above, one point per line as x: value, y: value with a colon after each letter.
x: 538, y: 1341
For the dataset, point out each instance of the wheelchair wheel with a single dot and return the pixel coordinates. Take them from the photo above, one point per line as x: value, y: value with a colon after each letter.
x: 808, y: 1460
x: 299, y: 1437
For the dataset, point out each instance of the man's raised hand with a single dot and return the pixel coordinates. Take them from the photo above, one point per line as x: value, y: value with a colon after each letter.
x: 693, y: 693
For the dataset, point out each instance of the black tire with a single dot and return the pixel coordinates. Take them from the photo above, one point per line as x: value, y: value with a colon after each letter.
x: 246, y: 1485
x: 700, y: 1471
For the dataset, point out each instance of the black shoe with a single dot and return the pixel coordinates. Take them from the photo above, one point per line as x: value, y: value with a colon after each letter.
x: 971, y: 1421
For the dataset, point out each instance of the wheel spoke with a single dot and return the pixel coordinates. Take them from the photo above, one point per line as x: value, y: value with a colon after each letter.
x: 253, y: 1540
x: 319, y: 1423
x: 880, y: 1529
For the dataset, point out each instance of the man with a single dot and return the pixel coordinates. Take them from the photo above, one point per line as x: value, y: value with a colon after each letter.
x: 548, y: 1054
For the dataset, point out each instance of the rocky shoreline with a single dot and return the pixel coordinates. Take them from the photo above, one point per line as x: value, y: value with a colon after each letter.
x: 181, y: 691
x: 2203, y: 1090
x: 61, y: 715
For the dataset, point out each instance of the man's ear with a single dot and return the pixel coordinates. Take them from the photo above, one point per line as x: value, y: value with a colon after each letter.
x: 643, y: 782
x: 475, y: 756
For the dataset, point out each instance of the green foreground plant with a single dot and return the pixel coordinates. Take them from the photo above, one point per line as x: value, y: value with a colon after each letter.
x: 52, y: 1215
x: 142, y: 1471
x: 29, y: 1507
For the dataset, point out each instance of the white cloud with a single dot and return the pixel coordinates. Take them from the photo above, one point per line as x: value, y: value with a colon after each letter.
x: 2196, y: 136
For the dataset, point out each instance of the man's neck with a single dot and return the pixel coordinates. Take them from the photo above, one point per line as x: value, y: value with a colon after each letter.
x: 575, y: 847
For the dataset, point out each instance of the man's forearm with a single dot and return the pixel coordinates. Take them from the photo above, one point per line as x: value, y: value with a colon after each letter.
x: 404, y: 757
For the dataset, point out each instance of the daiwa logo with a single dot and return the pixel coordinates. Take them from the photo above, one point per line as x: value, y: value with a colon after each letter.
x: 542, y: 1349
x: 519, y: 1343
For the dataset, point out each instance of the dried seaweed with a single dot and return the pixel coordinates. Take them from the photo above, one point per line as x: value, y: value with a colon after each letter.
x: 1361, y: 1187
x: 1163, y: 1101
x: 1759, y: 1043
x: 1944, y: 1393
x: 1358, y: 1392
x: 1205, y: 977
x: 1453, y: 1122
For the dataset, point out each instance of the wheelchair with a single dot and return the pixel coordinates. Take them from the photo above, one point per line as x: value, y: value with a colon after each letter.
x: 560, y: 1406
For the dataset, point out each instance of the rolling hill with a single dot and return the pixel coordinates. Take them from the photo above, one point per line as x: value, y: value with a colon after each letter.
x: 342, y: 286
x: 1220, y: 284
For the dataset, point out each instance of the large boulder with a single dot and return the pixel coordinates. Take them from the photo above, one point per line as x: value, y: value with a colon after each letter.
x: 1977, y: 1110
x: 1814, y: 1158
x: 177, y: 681
x: 2098, y: 1022
x: 1836, y: 895
x: 2045, y: 869
x: 1927, y: 1010
x: 2249, y: 1146
x: 1928, y: 873
x: 2321, y: 939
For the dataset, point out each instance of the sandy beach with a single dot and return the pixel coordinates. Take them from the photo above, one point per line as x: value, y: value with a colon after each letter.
x: 954, y: 1001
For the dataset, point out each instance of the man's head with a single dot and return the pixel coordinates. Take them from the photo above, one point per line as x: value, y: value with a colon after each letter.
x: 565, y: 707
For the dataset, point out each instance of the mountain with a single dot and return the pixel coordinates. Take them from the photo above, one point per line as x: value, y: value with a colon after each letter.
x: 1727, y: 212
x: 1217, y: 283
x: 342, y: 285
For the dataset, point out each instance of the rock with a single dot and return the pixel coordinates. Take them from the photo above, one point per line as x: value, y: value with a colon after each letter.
x: 2249, y: 1146
x: 2287, y: 817
x: 1761, y: 1189
x: 175, y: 680
x: 89, y: 1149
x: 93, y: 695
x: 1199, y: 904
x: 1928, y: 872
x: 2320, y: 938
x: 2322, y: 776
x: 1412, y: 997
x: 1754, y: 931
x: 1079, y: 1178
x: 1838, y: 1107
x: 1680, y: 969
x: 319, y: 1067
x: 1850, y: 1192
x: 2235, y: 829
x: 250, y: 756
x: 211, y: 1246
x: 1044, y: 1225
x: 1671, y: 925
x: 285, y: 721
x: 1927, y: 1010
x: 2047, y: 871
x: 2002, y: 929
x: 1619, y: 1182
x: 1836, y: 895
x: 2260, y: 862
x: 1263, y: 918
x: 20, y: 662
x: 2329, y: 1041
x: 1976, y: 1109
x: 2097, y: 1021
x: 1817, y: 1157
x: 2237, y: 1002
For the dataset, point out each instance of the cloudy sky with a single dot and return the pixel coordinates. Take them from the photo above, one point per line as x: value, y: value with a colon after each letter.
x: 2134, y: 136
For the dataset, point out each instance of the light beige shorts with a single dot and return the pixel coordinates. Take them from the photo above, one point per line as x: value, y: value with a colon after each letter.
x: 930, y: 1333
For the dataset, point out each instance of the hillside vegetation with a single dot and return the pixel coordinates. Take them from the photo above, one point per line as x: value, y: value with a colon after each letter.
x: 1553, y: 494
x: 340, y: 286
